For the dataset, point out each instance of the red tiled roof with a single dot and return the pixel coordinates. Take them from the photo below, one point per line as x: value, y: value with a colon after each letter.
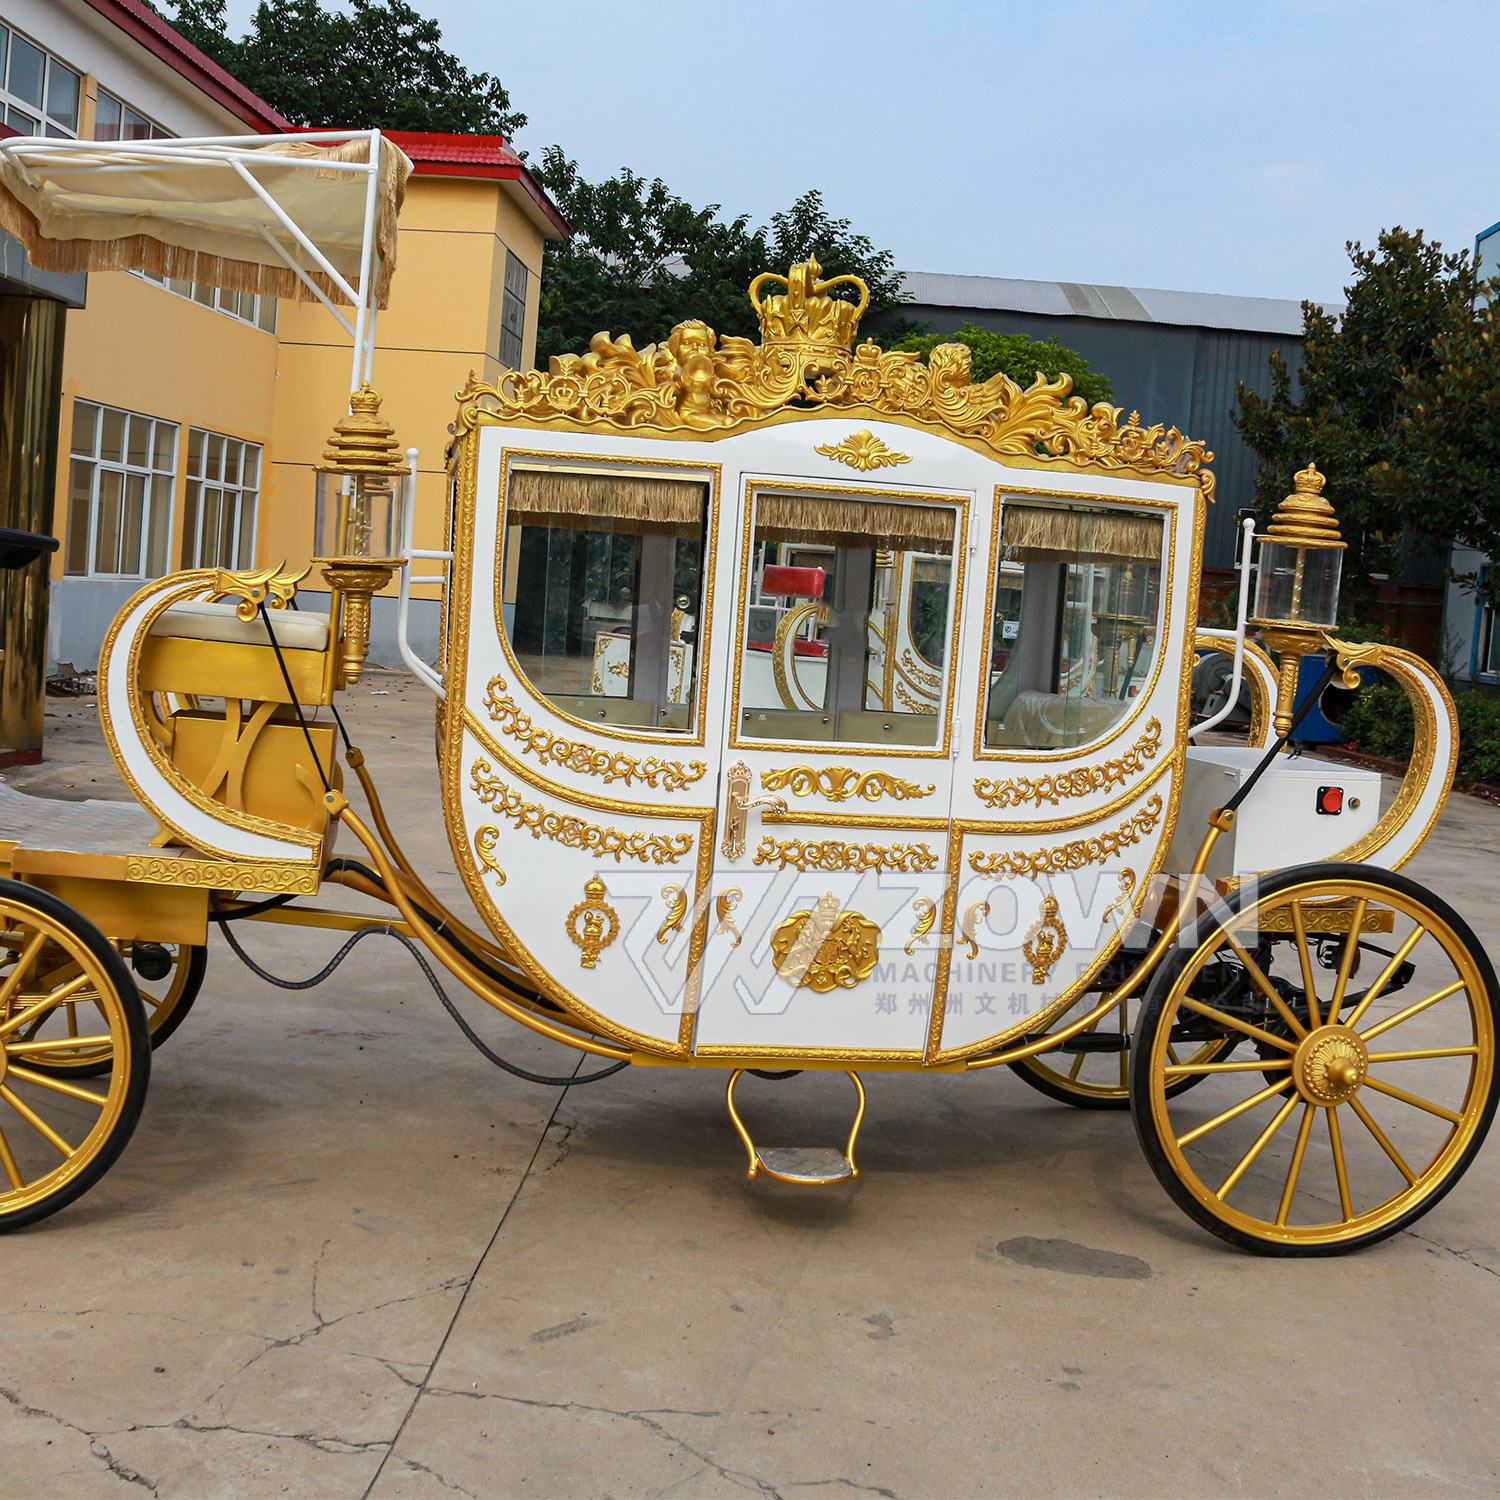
x: 143, y: 25
x: 434, y: 154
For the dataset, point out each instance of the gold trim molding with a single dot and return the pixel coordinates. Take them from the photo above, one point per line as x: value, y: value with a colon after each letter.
x: 574, y: 755
x: 1076, y: 854
x: 831, y: 854
x: 276, y: 879
x: 572, y: 832
x: 863, y: 451
x: 840, y: 783
x: 1081, y: 781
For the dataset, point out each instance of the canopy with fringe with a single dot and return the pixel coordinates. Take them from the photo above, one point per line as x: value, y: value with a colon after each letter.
x: 603, y: 501
x: 854, y: 523
x: 180, y: 208
x: 1055, y: 533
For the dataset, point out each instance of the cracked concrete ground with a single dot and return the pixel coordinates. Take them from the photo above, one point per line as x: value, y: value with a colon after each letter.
x: 344, y: 1256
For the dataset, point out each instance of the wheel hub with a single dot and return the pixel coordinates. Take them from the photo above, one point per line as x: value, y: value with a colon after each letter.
x: 1330, y: 1065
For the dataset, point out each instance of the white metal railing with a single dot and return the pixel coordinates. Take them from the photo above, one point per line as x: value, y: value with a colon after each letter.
x: 1237, y: 635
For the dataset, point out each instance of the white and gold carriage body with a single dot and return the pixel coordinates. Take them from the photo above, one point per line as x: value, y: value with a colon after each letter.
x: 807, y: 702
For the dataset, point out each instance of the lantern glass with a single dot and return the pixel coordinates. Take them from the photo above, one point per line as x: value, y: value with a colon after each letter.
x: 1298, y: 585
x: 360, y: 515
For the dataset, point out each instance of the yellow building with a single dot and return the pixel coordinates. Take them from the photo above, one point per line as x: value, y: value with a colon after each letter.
x: 190, y: 418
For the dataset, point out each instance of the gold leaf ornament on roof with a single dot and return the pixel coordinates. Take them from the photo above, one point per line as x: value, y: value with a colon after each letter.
x: 698, y: 380
x: 863, y: 451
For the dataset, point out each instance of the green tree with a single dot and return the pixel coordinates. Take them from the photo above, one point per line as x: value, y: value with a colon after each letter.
x: 381, y: 65
x: 1402, y: 342
x: 1018, y: 355
x: 641, y: 259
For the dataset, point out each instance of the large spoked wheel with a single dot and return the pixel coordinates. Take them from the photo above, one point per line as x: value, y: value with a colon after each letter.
x: 1363, y: 1013
x: 167, y: 977
x: 58, y: 1137
x: 1092, y: 1069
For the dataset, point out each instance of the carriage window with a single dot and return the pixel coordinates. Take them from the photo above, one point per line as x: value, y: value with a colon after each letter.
x: 601, y: 587
x: 1073, y: 639
x: 847, y: 621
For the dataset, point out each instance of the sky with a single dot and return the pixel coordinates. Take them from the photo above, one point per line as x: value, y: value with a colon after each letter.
x: 1213, y: 147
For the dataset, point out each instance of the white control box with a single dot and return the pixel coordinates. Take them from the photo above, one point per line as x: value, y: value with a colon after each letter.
x: 1301, y: 810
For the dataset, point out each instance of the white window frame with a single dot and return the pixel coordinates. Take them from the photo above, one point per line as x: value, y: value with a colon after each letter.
x: 145, y: 130
x: 235, y: 493
x: 150, y: 473
x: 46, y: 123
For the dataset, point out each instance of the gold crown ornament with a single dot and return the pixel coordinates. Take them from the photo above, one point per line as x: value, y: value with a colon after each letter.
x: 805, y: 316
x: 1305, y: 518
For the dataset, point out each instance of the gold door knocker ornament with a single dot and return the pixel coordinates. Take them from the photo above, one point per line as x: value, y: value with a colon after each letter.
x: 821, y: 950
x: 1045, y: 941
x: 593, y: 924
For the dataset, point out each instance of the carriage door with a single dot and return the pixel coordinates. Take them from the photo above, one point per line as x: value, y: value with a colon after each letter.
x: 825, y: 909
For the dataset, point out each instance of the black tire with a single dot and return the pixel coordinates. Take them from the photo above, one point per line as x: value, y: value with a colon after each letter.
x: 33, y: 921
x: 1324, y: 1070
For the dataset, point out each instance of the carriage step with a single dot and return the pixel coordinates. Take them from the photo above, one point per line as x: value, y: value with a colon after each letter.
x: 807, y: 1166
x: 1096, y: 1041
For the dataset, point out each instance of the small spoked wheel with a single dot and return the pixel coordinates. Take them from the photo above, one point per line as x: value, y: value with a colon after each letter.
x: 167, y: 977
x: 1356, y: 1075
x: 59, y: 1135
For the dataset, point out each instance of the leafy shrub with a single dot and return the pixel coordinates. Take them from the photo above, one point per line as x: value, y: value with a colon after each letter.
x: 1379, y: 722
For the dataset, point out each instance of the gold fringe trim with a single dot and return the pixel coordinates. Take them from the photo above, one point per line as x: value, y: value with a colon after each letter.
x: 143, y: 252
x: 630, y: 503
x: 879, y: 523
x: 1047, y: 533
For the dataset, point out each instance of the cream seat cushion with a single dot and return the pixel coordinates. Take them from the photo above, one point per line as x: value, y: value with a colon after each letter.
x: 202, y: 620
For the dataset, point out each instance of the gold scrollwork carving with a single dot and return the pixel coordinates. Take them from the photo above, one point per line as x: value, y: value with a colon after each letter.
x: 967, y: 931
x: 1081, y: 781
x: 484, y: 850
x: 280, y: 880
x: 677, y: 904
x: 1045, y: 941
x: 574, y: 755
x: 920, y: 676
x: 840, y: 783
x: 863, y: 451
x: 593, y: 924
x: 698, y: 381
x: 1076, y: 854
x: 926, y: 911
x: 914, y: 704
x: 1123, y: 906
x: 724, y: 905
x: 572, y: 832
x: 831, y: 854
x: 822, y: 950
x: 268, y: 586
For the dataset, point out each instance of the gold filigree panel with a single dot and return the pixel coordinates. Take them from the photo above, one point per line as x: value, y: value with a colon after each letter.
x: 280, y: 880
x: 571, y: 831
x: 831, y: 854
x: 1081, y: 781
x: 840, y: 783
x: 574, y: 755
x: 1077, y: 853
x: 822, y: 950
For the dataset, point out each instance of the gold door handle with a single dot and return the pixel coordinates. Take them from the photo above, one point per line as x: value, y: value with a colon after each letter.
x: 737, y: 805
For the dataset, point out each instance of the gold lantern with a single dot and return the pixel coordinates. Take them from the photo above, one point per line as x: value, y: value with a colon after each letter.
x: 363, y: 489
x: 1297, y: 591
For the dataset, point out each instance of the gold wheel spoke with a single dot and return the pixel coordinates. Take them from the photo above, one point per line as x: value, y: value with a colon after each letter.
x: 1384, y: 977
x: 23, y: 963
x: 72, y: 1090
x: 1261, y: 1142
x: 1294, y: 1171
x: 1414, y: 1009
x: 1073, y: 1071
x: 1413, y: 1053
x: 1346, y: 963
x: 1265, y: 986
x: 1257, y: 1065
x: 1172, y: 1056
x: 1341, y: 1170
x: 26, y: 1048
x: 1299, y: 927
x: 47, y: 1002
x: 72, y: 1018
x: 1415, y: 1100
x: 1369, y: 1123
x: 7, y: 1158
x: 1236, y: 1111
x: 34, y: 1120
x: 1223, y: 1018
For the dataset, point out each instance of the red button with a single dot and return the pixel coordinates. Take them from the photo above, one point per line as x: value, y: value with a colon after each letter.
x: 1330, y: 800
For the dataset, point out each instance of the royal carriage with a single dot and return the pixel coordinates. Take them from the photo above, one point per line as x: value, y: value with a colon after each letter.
x: 801, y: 706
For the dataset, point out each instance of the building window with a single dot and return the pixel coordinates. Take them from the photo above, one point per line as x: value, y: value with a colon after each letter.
x: 513, y: 312
x: 114, y: 120
x: 41, y: 95
x: 223, y: 485
x: 119, y: 493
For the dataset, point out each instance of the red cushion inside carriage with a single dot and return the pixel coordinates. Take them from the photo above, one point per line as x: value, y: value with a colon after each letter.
x: 798, y: 583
